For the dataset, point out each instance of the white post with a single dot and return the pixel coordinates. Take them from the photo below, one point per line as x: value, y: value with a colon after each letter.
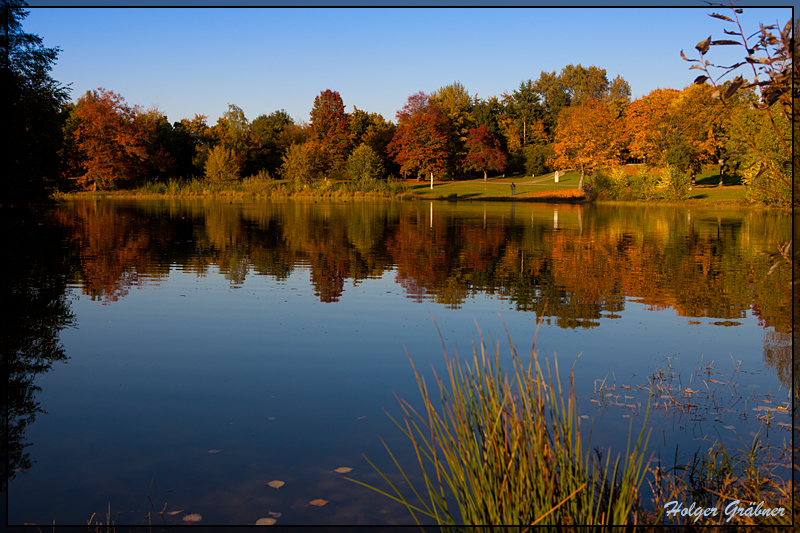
x: 556, y: 176
x: 431, y: 180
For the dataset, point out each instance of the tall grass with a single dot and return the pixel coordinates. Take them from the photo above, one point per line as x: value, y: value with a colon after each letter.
x: 506, y: 449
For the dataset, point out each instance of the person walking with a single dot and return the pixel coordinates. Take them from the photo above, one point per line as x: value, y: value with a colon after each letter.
x: 513, y: 188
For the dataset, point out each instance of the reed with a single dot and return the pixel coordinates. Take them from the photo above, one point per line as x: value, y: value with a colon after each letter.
x: 497, y: 448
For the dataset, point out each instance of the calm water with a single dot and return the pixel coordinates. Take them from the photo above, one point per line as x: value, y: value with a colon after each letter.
x: 148, y: 334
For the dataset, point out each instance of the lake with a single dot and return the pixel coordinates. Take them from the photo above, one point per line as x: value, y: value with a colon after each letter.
x: 178, y: 355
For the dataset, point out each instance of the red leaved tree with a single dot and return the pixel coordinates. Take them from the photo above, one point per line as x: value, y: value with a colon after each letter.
x: 420, y: 146
x: 330, y: 127
x: 483, y: 151
x: 113, y: 137
x: 417, y: 103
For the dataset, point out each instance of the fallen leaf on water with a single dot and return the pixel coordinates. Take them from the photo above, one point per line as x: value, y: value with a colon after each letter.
x: 270, y: 418
x: 318, y: 503
x: 214, y: 451
x: 173, y: 513
x: 729, y: 427
x: 265, y: 521
x: 275, y: 484
x: 584, y: 416
x: 361, y: 417
x: 194, y: 517
x: 343, y: 470
x: 275, y: 515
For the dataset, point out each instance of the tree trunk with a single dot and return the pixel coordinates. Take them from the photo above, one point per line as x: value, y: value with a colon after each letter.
x: 580, y: 183
x: 484, y: 174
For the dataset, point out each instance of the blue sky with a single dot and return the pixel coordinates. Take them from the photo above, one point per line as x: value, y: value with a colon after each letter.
x: 197, y: 60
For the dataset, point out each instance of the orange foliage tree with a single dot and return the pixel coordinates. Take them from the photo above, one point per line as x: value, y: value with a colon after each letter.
x: 588, y: 136
x: 113, y: 137
x: 651, y: 122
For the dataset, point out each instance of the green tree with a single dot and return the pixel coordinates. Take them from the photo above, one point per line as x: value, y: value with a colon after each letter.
x: 33, y: 102
x: 237, y: 129
x: 269, y: 141
x: 364, y: 165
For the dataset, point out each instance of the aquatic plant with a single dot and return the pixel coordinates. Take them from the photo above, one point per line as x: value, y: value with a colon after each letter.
x: 506, y: 449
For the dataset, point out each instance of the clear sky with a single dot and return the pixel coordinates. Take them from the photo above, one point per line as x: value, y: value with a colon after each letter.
x: 197, y: 60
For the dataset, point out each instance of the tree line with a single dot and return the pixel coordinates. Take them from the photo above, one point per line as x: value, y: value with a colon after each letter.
x: 577, y: 119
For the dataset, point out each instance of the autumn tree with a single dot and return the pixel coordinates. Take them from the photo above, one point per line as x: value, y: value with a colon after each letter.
x: 651, y: 122
x: 31, y: 113
x: 416, y: 103
x: 420, y: 146
x: 587, y: 137
x: 330, y: 127
x: 112, y: 136
x: 483, y: 151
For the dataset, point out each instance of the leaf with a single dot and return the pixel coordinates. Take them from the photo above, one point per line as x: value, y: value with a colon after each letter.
x: 761, y: 170
x: 265, y: 521
x: 173, y: 513
x: 716, y: 95
x: 686, y: 58
x: 725, y: 41
x: 737, y: 82
x: 274, y: 515
x: 343, y: 470
x: 318, y: 503
x: 721, y: 17
x: 699, y: 80
x: 702, y: 46
x: 194, y: 517
x: 729, y: 427
x: 276, y: 484
x: 214, y: 451
x: 774, y: 268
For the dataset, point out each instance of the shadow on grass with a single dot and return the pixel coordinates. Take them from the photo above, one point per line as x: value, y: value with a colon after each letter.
x: 713, y: 179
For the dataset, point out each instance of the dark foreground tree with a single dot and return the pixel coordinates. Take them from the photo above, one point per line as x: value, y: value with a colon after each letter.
x: 33, y: 101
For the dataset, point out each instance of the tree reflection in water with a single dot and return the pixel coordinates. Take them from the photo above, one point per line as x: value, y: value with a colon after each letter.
x: 38, y: 266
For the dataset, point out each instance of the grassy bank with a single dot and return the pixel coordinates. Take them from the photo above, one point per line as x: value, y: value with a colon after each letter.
x: 706, y: 192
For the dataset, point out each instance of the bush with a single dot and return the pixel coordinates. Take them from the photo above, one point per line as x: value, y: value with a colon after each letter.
x: 258, y: 183
x: 674, y: 183
x: 222, y: 166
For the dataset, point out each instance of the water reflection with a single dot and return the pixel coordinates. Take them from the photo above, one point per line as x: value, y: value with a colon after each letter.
x: 573, y: 263
x: 37, y: 309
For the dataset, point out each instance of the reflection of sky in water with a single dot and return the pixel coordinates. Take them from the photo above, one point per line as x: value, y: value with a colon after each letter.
x: 290, y: 388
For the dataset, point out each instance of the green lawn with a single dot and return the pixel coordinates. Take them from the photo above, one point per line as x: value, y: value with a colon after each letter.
x: 496, y: 186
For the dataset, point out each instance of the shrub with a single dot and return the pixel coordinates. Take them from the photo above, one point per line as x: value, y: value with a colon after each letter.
x: 674, y: 183
x: 258, y: 183
x: 222, y: 166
